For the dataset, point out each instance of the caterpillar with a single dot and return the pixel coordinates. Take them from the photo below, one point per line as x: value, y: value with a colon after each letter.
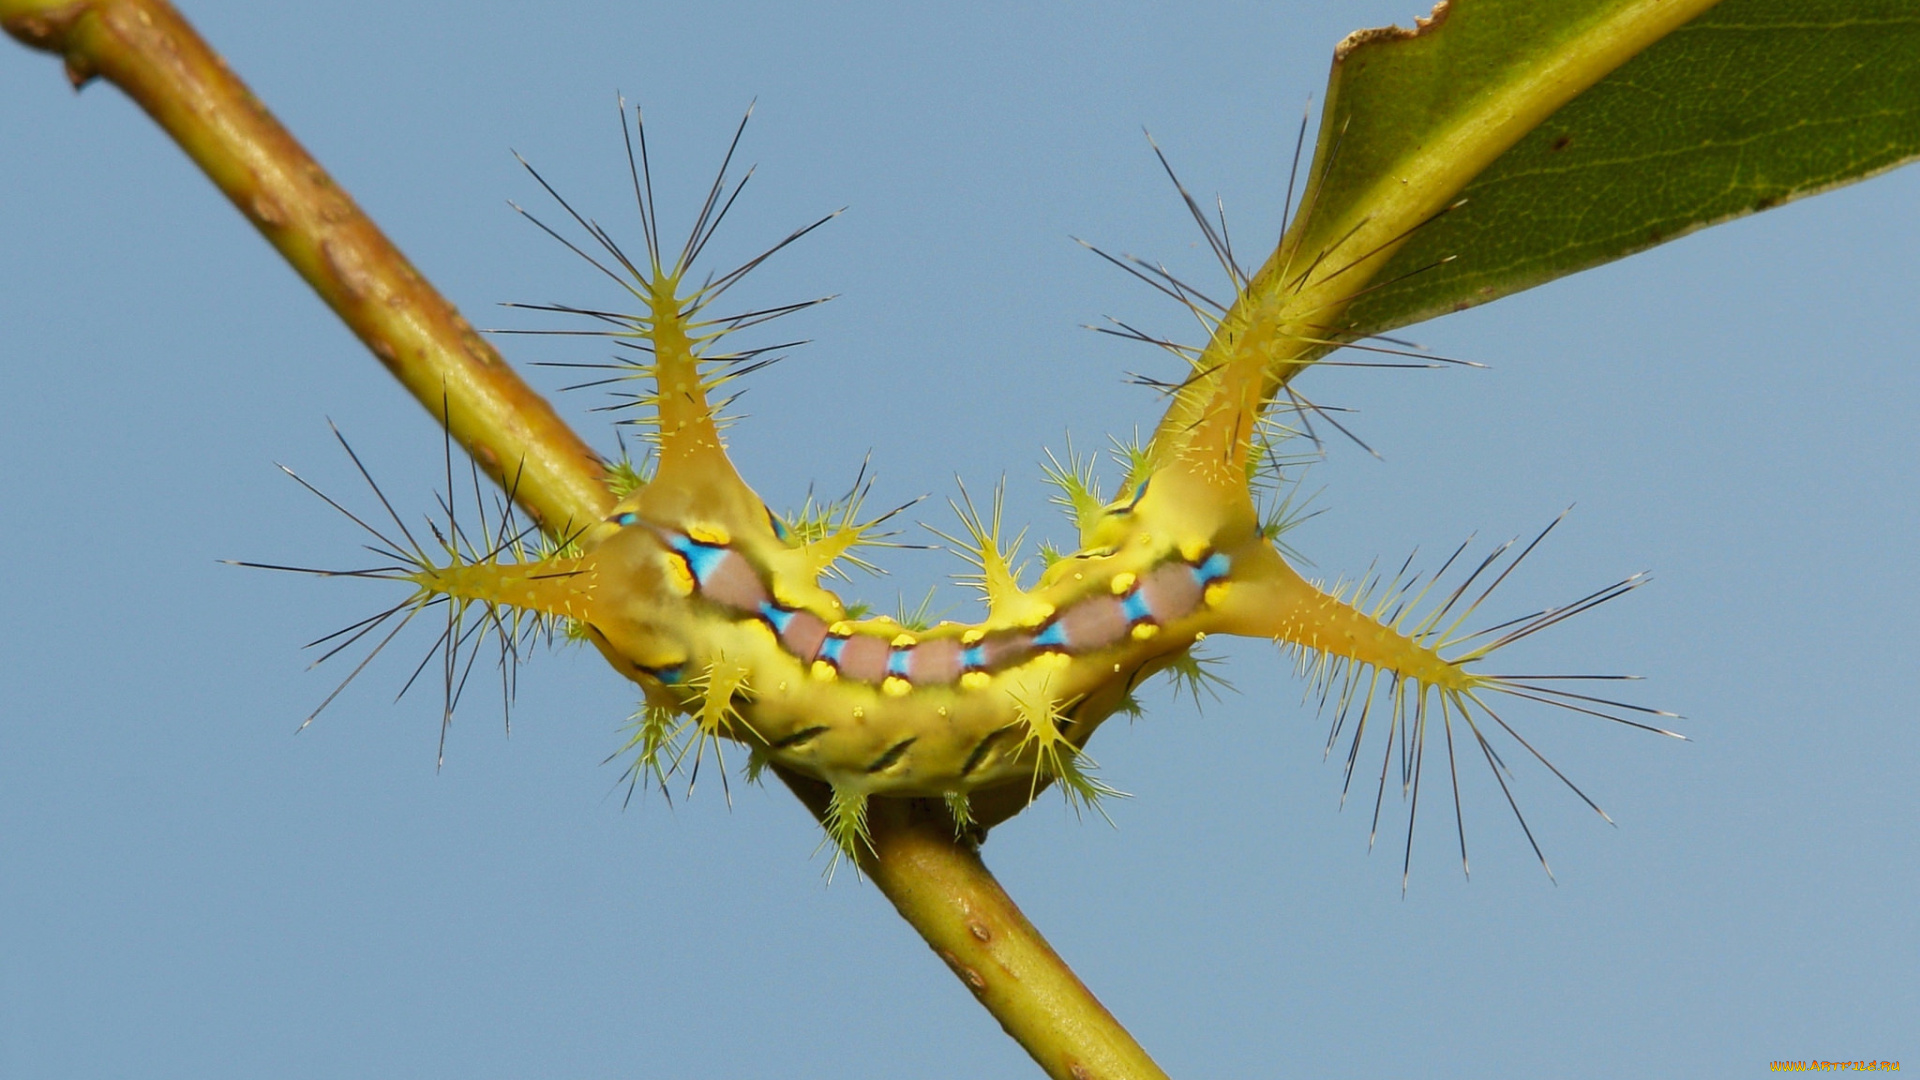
x: 718, y: 608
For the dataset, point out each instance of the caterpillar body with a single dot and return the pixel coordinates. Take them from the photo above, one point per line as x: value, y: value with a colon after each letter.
x: 692, y: 588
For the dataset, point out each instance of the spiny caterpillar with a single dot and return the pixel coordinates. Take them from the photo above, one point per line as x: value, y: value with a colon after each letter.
x: 716, y: 607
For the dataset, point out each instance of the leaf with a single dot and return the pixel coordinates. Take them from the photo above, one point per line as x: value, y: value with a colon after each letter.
x: 1503, y: 143
x: 1411, y: 118
x: 1752, y: 104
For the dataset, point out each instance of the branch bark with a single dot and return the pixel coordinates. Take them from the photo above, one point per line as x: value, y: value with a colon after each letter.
x: 940, y: 886
x: 148, y: 50
x: 936, y: 882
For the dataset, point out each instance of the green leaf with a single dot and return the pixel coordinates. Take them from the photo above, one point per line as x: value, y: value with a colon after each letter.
x: 1503, y: 143
x: 1411, y: 118
x: 1752, y: 104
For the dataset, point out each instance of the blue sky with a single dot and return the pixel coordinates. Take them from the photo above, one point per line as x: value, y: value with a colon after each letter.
x: 190, y: 889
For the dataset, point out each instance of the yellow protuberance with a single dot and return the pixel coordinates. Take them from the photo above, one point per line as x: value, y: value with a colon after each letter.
x: 1269, y: 599
x: 552, y: 587
x: 679, y: 576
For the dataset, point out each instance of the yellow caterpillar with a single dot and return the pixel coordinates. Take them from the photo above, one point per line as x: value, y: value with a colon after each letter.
x: 716, y: 607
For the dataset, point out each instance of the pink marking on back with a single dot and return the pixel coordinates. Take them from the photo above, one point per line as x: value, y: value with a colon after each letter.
x: 934, y: 663
x: 864, y: 657
x: 803, y: 635
x: 1093, y: 624
x: 1171, y: 592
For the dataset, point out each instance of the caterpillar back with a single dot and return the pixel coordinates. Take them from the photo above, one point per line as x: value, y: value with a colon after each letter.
x: 720, y: 609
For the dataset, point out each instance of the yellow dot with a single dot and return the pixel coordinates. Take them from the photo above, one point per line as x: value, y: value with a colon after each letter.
x: 840, y: 629
x: 942, y: 710
x: 895, y: 686
x: 972, y: 637
x: 975, y: 680
x: 1144, y: 631
x: 1121, y: 583
x: 679, y: 577
x: 1217, y: 592
x: 710, y: 534
x: 824, y: 671
x: 1193, y: 550
x: 904, y: 641
x: 1199, y: 636
x: 859, y: 713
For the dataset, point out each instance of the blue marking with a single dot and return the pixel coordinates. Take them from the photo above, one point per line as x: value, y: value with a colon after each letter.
x: 1141, y: 494
x: 1212, y: 569
x: 702, y: 559
x: 830, y: 650
x: 974, y: 659
x: 668, y: 675
x: 626, y: 519
x: 897, y: 662
x: 779, y: 527
x: 776, y: 616
x: 1054, y: 636
x: 1135, y: 605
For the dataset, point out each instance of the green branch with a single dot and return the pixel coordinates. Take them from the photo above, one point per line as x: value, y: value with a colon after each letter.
x: 945, y: 892
x: 148, y: 50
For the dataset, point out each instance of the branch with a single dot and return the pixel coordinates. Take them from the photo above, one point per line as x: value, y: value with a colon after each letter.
x: 937, y: 883
x: 945, y: 892
x: 147, y: 49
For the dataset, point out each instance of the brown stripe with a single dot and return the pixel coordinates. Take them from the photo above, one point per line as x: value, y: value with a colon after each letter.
x: 1093, y: 624
x: 734, y: 584
x: 1007, y: 647
x: 864, y: 657
x: 803, y: 635
x: 934, y: 663
x: 1171, y: 592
